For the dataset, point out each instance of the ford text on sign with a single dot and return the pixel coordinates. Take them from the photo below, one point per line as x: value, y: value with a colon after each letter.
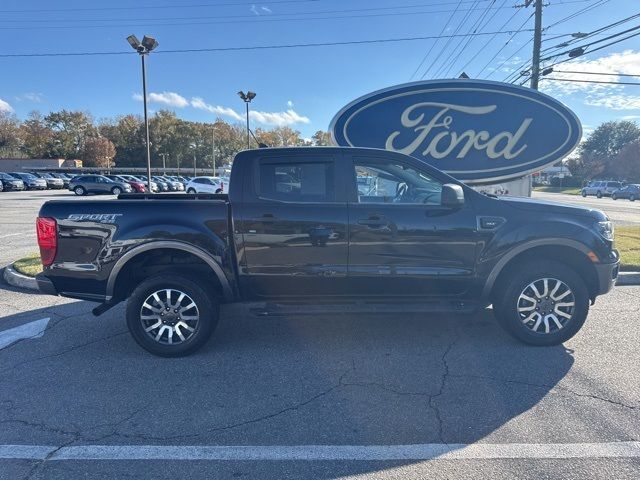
x: 477, y: 131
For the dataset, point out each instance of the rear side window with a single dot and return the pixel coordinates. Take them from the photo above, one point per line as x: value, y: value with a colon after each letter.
x: 297, y: 182
x: 614, y: 184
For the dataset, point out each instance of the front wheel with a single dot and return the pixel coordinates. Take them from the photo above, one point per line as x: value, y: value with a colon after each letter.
x: 116, y: 191
x: 584, y: 193
x: 191, y: 190
x: 171, y: 315
x: 614, y: 196
x: 599, y: 194
x: 79, y: 191
x: 632, y: 198
x: 543, y: 303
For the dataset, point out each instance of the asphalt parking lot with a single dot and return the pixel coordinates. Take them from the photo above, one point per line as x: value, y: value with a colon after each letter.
x: 340, y: 396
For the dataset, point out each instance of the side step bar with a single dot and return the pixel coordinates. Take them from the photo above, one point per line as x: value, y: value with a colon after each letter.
x: 282, y: 309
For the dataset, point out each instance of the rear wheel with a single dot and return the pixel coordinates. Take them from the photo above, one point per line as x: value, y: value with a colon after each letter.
x: 584, y: 193
x: 614, y: 196
x: 543, y: 303
x: 171, y: 315
x: 599, y: 194
x: 632, y: 198
x: 191, y: 190
x: 79, y: 191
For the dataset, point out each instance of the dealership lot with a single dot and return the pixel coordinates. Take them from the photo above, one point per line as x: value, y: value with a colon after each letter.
x: 313, y: 396
x: 370, y: 382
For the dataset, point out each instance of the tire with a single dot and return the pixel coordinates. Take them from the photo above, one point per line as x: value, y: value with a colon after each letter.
x: 116, y: 191
x: 191, y: 190
x: 584, y: 193
x: 206, y: 309
x: 80, y: 191
x: 508, y: 301
x: 599, y: 194
x: 614, y: 196
x: 632, y: 198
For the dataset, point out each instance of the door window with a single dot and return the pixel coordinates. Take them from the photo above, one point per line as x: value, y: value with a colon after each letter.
x: 297, y: 182
x: 394, y: 182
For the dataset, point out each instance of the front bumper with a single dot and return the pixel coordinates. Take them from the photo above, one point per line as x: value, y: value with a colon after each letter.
x: 45, y: 285
x: 607, y: 274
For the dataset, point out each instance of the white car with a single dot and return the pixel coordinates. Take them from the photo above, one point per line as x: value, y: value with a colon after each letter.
x: 207, y: 185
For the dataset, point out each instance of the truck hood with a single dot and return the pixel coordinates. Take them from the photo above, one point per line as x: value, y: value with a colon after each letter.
x: 529, y: 204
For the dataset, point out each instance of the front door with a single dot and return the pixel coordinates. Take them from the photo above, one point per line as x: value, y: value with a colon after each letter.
x: 294, y: 228
x: 402, y: 242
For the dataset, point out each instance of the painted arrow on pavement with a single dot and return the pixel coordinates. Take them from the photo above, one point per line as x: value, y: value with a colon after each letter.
x: 28, y: 330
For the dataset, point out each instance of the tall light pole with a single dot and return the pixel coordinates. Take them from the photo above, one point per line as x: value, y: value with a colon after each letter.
x: 193, y: 146
x: 144, y: 48
x: 246, y: 98
x: 213, y: 147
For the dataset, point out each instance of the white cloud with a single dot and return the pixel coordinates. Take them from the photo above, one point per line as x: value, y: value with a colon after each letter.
x: 5, y: 107
x: 280, y: 119
x: 30, y: 97
x: 199, y: 103
x: 595, y: 94
x: 289, y: 103
x: 254, y: 10
x: 166, y: 98
x: 266, y: 9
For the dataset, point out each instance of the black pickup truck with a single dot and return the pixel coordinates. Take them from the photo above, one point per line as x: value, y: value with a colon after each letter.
x: 326, y: 229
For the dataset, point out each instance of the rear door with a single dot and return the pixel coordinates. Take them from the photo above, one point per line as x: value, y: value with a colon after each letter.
x: 293, y: 219
x: 402, y: 242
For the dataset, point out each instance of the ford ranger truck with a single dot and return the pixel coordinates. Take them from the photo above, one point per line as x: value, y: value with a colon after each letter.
x: 311, y: 230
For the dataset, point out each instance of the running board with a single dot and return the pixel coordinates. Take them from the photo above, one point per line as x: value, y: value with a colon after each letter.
x: 282, y: 309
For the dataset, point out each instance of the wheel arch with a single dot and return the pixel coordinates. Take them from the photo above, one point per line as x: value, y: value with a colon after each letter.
x: 569, y: 252
x: 150, y: 247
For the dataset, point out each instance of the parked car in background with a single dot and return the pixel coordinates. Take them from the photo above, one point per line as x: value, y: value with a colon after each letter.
x: 205, y: 185
x: 31, y: 181
x: 85, y: 184
x: 53, y: 183
x: 155, y: 186
x: 136, y: 186
x: 175, y: 184
x: 631, y: 191
x: 64, y: 177
x: 11, y: 183
x: 601, y: 188
x: 143, y: 181
x: 163, y: 185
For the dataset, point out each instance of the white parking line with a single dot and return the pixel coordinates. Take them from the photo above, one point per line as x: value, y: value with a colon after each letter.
x: 28, y: 330
x: 429, y: 451
x: 11, y: 235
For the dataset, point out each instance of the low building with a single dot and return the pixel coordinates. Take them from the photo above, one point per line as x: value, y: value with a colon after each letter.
x: 26, y: 164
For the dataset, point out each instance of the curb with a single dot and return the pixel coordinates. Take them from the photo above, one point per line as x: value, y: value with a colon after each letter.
x: 628, y: 278
x: 18, y: 280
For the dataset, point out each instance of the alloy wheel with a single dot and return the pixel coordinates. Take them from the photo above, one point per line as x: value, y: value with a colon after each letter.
x: 546, y: 305
x: 169, y: 316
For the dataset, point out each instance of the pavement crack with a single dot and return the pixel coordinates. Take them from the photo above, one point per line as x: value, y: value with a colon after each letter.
x: 550, y: 388
x: 443, y: 381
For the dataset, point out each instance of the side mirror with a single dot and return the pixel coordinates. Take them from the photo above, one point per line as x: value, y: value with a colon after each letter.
x: 452, y: 195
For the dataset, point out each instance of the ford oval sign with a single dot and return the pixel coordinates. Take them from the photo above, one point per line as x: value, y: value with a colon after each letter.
x: 475, y: 130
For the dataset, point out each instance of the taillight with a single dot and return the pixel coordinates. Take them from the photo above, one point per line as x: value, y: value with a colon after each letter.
x: 47, y: 230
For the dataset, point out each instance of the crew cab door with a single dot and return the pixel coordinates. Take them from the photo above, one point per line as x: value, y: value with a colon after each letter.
x: 293, y: 221
x: 402, y: 241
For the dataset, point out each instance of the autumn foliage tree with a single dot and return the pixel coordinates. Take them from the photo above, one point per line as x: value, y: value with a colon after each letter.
x: 98, y: 152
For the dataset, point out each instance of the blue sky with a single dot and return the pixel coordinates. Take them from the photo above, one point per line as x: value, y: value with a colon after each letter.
x: 299, y: 87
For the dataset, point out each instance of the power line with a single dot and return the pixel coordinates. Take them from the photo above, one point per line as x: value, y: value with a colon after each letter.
x: 478, y: 26
x: 520, y: 29
x: 598, y: 73
x: 253, y: 16
x: 250, y: 20
x: 253, y: 47
x: 571, y: 16
x: 590, y: 81
x: 446, y: 45
x: 434, y: 43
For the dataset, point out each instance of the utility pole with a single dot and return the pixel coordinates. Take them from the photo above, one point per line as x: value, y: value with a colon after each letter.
x: 213, y: 148
x: 537, y: 41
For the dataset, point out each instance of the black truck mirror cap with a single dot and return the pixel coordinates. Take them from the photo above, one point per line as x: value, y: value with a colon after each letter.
x: 452, y: 195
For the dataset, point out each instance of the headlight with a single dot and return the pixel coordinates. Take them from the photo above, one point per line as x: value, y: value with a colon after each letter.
x: 606, y: 230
